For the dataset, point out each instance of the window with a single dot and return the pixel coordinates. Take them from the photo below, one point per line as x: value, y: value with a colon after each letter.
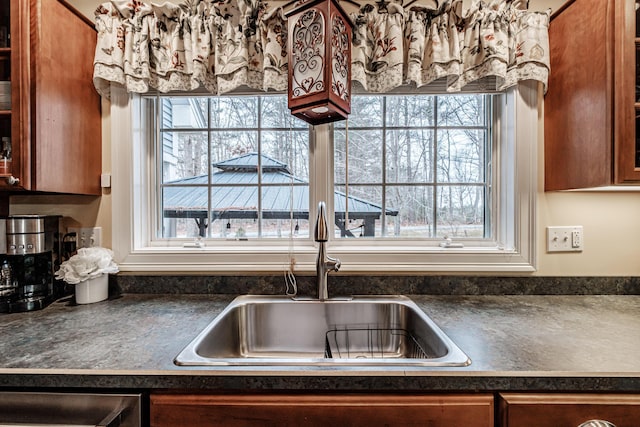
x: 415, y: 183
x: 232, y: 168
x: 238, y: 167
x: 422, y: 161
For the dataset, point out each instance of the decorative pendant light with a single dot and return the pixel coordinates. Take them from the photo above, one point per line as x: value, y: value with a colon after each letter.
x: 319, y: 43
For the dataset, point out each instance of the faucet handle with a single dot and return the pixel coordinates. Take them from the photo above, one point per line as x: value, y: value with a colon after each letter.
x: 336, y: 263
x: 321, y: 231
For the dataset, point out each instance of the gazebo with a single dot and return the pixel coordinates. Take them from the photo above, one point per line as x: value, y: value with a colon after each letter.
x: 236, y: 196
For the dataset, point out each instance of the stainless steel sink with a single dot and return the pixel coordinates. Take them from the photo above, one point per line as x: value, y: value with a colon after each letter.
x: 364, y: 330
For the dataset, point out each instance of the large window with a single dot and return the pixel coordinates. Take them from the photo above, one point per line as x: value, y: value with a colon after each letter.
x: 412, y: 182
x: 404, y: 167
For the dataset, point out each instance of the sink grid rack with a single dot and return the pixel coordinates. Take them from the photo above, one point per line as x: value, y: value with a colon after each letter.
x: 372, y: 343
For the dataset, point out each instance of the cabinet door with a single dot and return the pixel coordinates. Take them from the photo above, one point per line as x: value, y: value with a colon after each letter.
x: 55, y: 116
x: 568, y: 410
x: 591, y: 105
x: 578, y: 104
x: 66, y: 111
x: 194, y: 410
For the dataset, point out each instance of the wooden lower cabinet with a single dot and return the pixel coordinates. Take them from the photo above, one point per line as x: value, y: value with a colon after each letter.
x: 344, y: 410
x: 568, y: 410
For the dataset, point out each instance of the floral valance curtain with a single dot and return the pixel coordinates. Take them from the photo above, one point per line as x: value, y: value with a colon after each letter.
x: 225, y: 45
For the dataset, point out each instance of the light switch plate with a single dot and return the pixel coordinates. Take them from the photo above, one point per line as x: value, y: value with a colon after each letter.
x: 565, y: 239
x: 87, y: 237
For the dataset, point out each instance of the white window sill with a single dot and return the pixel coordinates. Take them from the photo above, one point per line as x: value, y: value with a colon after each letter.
x: 276, y: 259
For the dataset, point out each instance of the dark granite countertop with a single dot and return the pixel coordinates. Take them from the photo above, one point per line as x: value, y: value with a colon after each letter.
x: 523, y: 342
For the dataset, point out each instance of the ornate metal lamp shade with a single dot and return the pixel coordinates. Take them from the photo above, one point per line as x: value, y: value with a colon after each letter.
x: 319, y: 61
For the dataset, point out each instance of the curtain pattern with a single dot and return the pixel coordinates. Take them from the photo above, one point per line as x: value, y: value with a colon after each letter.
x: 228, y: 44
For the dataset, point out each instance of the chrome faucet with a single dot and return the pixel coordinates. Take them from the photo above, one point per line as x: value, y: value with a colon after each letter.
x: 324, y: 263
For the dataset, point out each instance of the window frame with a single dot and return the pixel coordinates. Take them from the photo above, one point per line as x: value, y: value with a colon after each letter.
x: 160, y: 184
x: 515, y: 190
x: 435, y: 183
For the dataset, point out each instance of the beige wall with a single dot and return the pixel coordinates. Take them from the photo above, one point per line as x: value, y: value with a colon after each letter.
x: 610, y: 220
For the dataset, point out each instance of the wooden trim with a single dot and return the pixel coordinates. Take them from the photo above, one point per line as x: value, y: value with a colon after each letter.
x: 561, y: 9
x: 20, y: 88
x: 625, y: 169
x: 570, y: 398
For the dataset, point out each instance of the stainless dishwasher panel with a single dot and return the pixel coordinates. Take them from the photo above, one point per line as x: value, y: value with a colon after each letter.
x: 28, y: 409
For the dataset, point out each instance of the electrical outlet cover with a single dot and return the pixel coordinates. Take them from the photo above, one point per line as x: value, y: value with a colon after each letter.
x: 565, y: 239
x: 87, y: 237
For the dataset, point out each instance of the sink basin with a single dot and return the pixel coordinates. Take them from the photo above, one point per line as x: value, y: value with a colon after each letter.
x: 365, y: 330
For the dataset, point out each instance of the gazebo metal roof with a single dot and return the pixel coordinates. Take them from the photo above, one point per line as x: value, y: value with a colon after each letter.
x: 235, y: 194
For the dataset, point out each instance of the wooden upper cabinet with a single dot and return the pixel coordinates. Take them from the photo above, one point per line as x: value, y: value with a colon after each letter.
x: 55, y: 115
x: 590, y: 107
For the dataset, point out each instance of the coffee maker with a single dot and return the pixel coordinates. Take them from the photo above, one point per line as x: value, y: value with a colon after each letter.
x: 30, y: 247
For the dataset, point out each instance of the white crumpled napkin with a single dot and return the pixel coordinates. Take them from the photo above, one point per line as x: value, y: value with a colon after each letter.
x: 87, y: 264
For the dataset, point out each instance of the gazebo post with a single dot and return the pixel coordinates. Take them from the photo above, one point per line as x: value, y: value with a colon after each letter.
x: 369, y: 227
x: 344, y: 232
x: 202, y: 226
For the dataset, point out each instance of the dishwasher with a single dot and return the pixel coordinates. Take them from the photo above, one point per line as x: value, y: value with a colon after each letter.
x: 44, y: 409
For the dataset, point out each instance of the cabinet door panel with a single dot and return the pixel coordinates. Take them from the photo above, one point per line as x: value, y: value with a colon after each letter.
x: 568, y: 410
x: 194, y: 410
x: 579, y: 88
x: 66, y: 118
x: 55, y: 122
x: 590, y: 108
